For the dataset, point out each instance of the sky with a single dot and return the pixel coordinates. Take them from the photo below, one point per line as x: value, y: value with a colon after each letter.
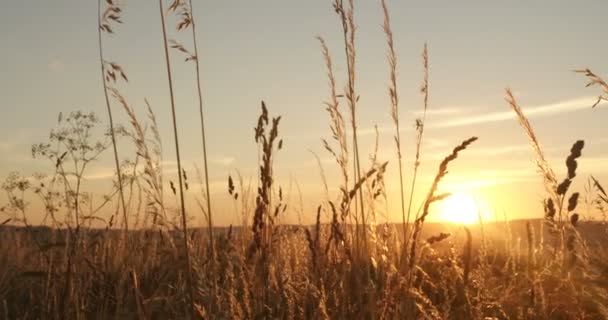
x: 266, y: 50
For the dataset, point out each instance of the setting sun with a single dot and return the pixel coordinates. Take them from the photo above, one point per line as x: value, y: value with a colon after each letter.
x: 459, y: 208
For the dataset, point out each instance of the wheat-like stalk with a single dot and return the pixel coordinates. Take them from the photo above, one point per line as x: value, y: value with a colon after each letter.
x: 347, y: 19
x: 179, y: 164
x: 203, y: 136
x: 103, y: 21
x: 541, y: 162
x: 151, y: 174
x: 595, y: 80
x: 432, y: 197
x: 394, y: 111
x: 187, y: 21
x: 420, y: 123
x: 338, y: 128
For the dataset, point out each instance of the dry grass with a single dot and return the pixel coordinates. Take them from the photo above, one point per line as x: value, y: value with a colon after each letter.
x: 110, y: 16
x: 393, y: 94
x: 595, y: 80
x: 180, y: 172
x: 541, y: 162
x: 347, y: 267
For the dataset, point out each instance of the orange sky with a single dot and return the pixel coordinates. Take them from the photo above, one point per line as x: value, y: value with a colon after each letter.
x: 252, y: 52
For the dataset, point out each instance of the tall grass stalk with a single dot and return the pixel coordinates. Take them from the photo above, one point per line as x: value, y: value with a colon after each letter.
x: 203, y: 136
x: 541, y: 162
x: 337, y: 124
x: 347, y: 19
x: 179, y: 163
x: 205, y: 160
x: 110, y: 118
x: 432, y: 197
x: 419, y: 133
x: 595, y: 80
x: 394, y: 96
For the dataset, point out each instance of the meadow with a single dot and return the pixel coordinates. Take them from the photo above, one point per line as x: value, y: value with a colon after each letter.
x: 147, y: 262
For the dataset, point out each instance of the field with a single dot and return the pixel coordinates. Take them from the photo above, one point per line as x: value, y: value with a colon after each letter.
x: 132, y: 252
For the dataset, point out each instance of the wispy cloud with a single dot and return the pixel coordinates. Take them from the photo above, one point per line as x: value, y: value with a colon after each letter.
x: 487, y: 151
x: 593, y: 165
x: 325, y: 160
x: 381, y: 130
x: 431, y: 142
x: 5, y: 147
x: 214, y: 186
x: 440, y: 111
x: 510, y: 149
x: 56, y: 65
x: 223, y: 160
x: 490, y: 178
x: 15, y: 150
x: 520, y: 172
x: 479, y: 183
x: 537, y: 111
x: 471, y: 118
x: 102, y: 173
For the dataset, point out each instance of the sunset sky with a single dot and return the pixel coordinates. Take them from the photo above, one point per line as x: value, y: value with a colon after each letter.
x: 266, y: 50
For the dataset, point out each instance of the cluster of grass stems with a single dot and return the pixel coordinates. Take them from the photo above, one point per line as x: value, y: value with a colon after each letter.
x: 152, y: 266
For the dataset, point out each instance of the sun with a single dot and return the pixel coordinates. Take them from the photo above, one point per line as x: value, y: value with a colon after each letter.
x: 459, y: 208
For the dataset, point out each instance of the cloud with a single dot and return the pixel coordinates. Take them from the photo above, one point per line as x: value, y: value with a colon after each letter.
x: 223, y: 160
x: 168, y: 166
x: 521, y: 172
x: 486, y: 152
x: 490, y: 151
x: 327, y: 162
x: 431, y: 142
x: 100, y: 174
x: 474, y: 184
x: 372, y: 131
x: 472, y: 118
x: 593, y: 165
x: 12, y: 151
x: 490, y: 178
x: 214, y: 186
x: 440, y: 111
x: 6, y: 147
x: 542, y: 110
x: 56, y: 65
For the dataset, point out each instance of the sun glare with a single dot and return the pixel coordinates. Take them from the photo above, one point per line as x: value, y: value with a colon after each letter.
x: 460, y: 208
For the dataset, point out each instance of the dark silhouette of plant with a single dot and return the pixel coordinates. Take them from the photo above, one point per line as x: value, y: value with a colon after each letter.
x: 71, y: 148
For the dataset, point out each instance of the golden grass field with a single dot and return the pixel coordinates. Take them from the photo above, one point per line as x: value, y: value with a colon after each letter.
x: 145, y: 262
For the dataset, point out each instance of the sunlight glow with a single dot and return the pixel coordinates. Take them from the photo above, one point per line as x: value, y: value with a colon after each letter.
x: 459, y: 208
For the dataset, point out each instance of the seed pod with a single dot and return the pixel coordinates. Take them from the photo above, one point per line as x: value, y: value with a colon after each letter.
x: 563, y: 187
x: 574, y: 219
x: 573, y: 201
x: 549, y: 209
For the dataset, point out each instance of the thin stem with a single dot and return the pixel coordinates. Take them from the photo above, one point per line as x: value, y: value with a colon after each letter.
x: 111, y: 120
x: 394, y: 96
x: 179, y: 163
x: 348, y: 27
x: 200, y: 105
x: 203, y: 136
x: 420, y: 127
